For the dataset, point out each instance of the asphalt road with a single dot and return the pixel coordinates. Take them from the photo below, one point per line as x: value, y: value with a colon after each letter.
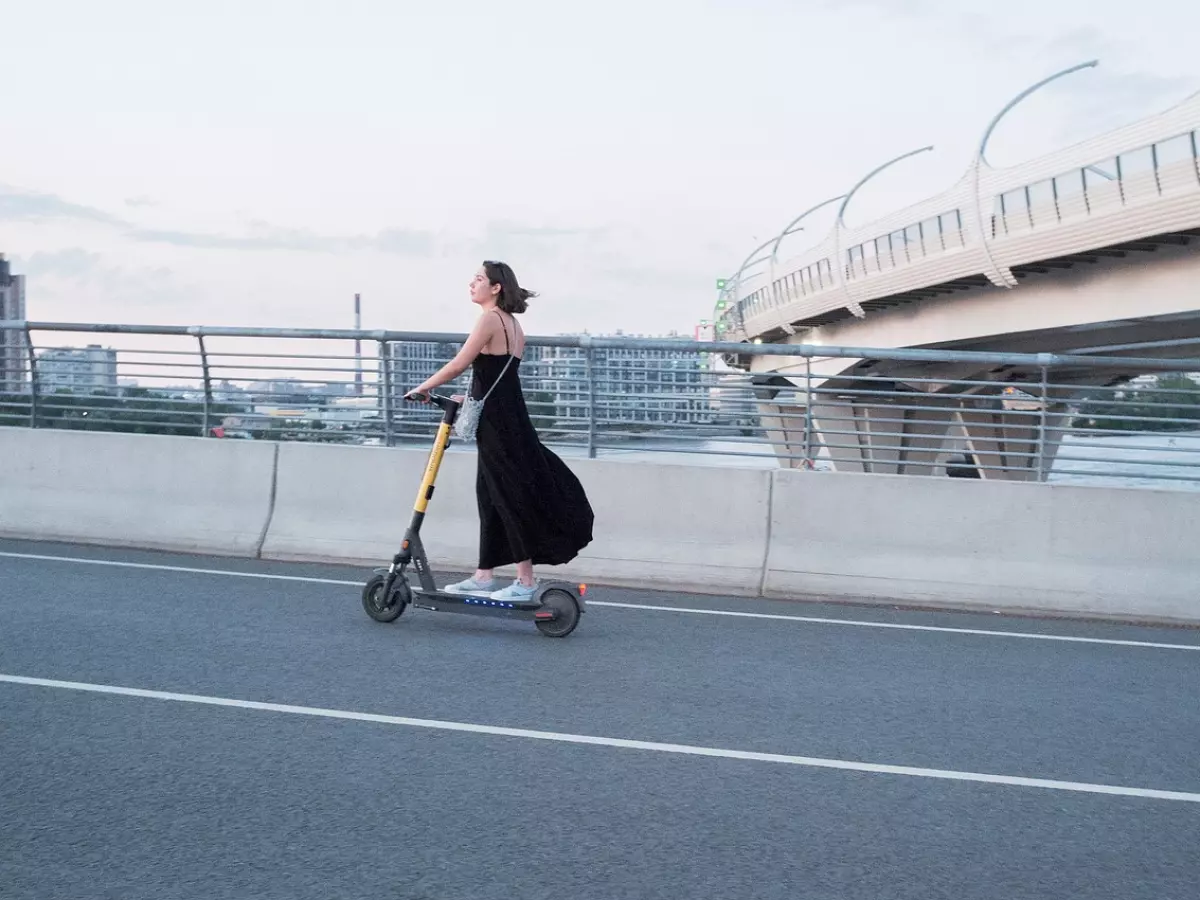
x: 159, y: 795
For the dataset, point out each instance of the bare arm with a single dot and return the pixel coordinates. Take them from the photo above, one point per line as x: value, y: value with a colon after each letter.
x: 481, y: 334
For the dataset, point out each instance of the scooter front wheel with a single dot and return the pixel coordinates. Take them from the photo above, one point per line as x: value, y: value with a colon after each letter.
x: 383, y: 608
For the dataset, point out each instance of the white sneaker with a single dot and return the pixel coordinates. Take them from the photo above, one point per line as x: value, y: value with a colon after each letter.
x: 516, y: 592
x: 471, y: 586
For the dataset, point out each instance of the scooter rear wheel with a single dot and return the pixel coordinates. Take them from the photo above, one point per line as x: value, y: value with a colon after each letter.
x: 381, y: 608
x: 567, y: 608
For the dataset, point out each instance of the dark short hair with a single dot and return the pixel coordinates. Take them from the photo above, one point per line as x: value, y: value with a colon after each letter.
x: 513, y: 298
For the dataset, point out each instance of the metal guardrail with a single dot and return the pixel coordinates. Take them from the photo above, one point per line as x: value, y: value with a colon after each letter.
x: 1039, y: 418
x: 1155, y: 159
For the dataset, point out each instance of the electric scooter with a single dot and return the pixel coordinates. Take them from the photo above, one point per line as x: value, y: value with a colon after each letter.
x: 555, y: 608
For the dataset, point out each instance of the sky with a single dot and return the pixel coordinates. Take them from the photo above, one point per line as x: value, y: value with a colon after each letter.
x: 255, y: 162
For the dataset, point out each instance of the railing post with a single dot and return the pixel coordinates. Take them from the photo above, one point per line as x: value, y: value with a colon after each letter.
x: 808, y: 454
x: 1041, y: 444
x: 33, y: 379
x: 208, y: 399
x: 591, y: 391
x: 385, y: 386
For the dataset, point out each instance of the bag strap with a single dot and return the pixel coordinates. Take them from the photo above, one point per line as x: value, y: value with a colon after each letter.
x: 497, y: 381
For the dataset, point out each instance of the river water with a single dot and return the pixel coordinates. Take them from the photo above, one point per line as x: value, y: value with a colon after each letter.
x: 1164, y: 461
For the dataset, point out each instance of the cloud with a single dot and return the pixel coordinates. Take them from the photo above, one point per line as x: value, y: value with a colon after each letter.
x: 895, y: 8
x: 74, y: 271
x: 140, y: 201
x: 71, y: 263
x: 266, y: 237
x: 499, y: 238
x: 514, y: 230
x: 1107, y: 96
x: 1093, y: 101
x: 403, y: 242
x: 18, y: 205
x: 21, y: 205
x: 502, y: 239
x: 284, y: 239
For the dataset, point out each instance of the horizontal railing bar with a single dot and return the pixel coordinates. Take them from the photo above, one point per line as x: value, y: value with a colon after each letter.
x: 1149, y: 476
x: 178, y: 419
x: 193, y: 427
x: 690, y: 439
x: 367, y: 357
x: 807, y: 351
x: 126, y: 352
x: 171, y: 406
x: 1069, y: 449
x: 1169, y: 463
x: 1089, y: 434
x: 53, y: 366
x: 984, y: 451
x: 826, y: 422
x: 921, y: 464
x: 1114, y: 418
x: 701, y: 452
x: 245, y: 367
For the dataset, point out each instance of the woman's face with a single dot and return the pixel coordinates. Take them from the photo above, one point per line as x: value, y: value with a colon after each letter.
x: 482, y: 290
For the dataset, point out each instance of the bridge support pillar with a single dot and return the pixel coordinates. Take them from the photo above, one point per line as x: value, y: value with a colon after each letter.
x: 783, y: 417
x: 1013, y: 444
x: 904, y: 436
x: 899, y: 431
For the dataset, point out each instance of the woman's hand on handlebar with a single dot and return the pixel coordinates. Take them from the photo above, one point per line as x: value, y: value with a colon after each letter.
x: 416, y: 395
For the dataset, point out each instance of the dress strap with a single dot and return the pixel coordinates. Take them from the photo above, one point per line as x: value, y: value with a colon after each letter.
x: 504, y: 328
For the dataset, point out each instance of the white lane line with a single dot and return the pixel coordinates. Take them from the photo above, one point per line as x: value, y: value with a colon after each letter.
x: 120, y: 564
x: 816, y: 620
x: 621, y: 743
x: 738, y: 614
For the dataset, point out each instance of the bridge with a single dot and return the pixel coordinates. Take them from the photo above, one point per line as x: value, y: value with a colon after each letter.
x: 787, y: 682
x: 1090, y: 249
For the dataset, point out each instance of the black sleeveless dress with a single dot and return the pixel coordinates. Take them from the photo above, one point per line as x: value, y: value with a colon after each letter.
x: 531, y: 506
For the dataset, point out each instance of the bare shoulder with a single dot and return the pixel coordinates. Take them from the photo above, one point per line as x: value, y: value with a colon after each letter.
x: 487, y: 325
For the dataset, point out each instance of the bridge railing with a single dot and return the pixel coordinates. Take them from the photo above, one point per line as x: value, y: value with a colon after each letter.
x: 1021, y: 211
x: 1056, y: 418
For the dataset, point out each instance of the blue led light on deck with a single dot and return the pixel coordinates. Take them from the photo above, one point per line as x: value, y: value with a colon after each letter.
x: 488, y: 603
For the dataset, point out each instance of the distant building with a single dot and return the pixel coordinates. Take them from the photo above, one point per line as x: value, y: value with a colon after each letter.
x: 13, y: 374
x: 403, y: 366
x: 407, y: 364
x: 93, y: 368
x: 631, y: 386
x: 667, y: 387
x: 733, y: 399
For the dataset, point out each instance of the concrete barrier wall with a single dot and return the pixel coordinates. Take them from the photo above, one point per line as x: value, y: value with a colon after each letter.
x: 962, y: 543
x: 353, y: 504
x: 783, y: 533
x: 151, y: 491
x: 659, y: 526
x: 677, y: 527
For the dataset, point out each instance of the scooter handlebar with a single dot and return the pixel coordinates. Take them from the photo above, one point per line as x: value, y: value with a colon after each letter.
x: 439, y: 400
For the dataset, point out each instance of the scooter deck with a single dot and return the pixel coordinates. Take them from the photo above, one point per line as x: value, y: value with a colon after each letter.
x: 480, y: 605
